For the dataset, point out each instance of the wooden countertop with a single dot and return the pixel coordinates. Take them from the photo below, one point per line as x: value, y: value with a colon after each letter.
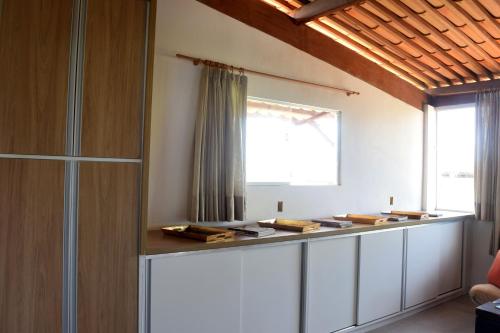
x: 157, y: 243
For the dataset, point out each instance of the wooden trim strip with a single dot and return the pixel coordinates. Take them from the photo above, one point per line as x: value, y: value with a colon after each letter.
x: 197, y: 61
x: 418, y: 34
x: 146, y: 143
x: 438, y: 34
x: 413, y: 44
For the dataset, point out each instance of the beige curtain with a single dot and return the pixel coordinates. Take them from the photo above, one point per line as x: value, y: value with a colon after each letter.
x: 219, y: 153
x: 487, y: 162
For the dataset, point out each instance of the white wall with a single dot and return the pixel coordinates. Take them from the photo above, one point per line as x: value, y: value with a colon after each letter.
x: 381, y: 138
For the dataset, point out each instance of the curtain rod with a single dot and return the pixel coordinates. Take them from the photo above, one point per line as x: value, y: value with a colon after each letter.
x: 197, y: 61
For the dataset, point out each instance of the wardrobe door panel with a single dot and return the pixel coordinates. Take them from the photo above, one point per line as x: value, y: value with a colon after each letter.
x: 31, y: 241
x: 108, y: 218
x: 113, y: 78
x: 35, y: 43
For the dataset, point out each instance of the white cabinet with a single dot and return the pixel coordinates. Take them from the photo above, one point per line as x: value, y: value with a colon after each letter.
x: 271, y: 289
x: 422, y: 264
x: 332, y: 280
x: 196, y: 293
x: 434, y: 261
x: 350, y: 280
x: 256, y: 289
x: 380, y: 275
x: 450, y: 256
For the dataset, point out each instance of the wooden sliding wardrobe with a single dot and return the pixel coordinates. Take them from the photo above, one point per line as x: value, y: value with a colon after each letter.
x: 75, y: 93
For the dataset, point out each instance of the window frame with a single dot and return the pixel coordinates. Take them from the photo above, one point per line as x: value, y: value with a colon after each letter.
x: 339, y: 145
x: 430, y: 194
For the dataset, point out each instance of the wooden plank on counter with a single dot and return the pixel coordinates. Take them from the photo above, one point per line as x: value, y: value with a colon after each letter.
x: 157, y: 243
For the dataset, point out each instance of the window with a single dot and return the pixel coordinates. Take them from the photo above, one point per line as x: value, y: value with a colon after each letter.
x: 291, y: 144
x: 455, y: 137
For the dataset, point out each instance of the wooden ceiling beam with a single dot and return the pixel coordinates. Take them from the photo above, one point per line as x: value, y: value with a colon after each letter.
x: 263, y: 17
x: 470, y: 21
x: 450, y: 26
x: 319, y: 8
x: 430, y: 43
x: 438, y: 34
x: 464, y: 88
x: 412, y: 44
x: 363, y: 49
x: 281, y: 5
x: 451, y: 100
x: 398, y: 61
x: 389, y: 46
x: 486, y: 13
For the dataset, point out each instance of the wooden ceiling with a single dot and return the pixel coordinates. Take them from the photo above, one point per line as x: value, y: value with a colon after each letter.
x: 428, y: 43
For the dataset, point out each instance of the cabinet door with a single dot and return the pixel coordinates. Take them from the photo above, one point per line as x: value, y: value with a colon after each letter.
x: 332, y: 280
x: 34, y: 65
x: 450, y: 258
x: 108, y: 224
x: 422, y: 264
x: 270, y: 289
x: 380, y: 275
x: 196, y: 293
x: 113, y: 78
x: 31, y: 241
